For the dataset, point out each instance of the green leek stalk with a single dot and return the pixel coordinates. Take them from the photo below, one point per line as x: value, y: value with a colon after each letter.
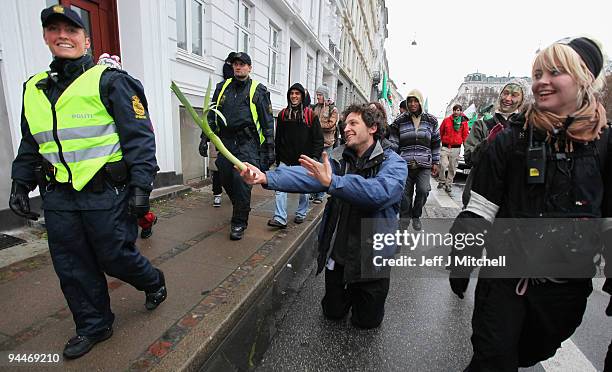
x: 202, y: 122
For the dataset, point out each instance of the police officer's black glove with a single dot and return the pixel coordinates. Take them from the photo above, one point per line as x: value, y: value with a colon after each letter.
x: 138, y: 202
x: 203, y: 148
x: 268, y: 157
x: 19, y: 201
x: 458, y: 285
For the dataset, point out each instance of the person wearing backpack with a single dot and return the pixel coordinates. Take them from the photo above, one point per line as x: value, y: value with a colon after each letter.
x: 298, y: 132
x: 546, y: 175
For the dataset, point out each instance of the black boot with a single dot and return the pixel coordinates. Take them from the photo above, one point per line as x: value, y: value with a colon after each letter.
x: 157, y: 296
x: 237, y: 232
x: 81, y: 345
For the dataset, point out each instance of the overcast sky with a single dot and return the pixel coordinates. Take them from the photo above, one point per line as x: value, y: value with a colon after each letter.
x: 455, y: 38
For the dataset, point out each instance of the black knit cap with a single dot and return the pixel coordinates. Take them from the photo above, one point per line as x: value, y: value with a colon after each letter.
x: 589, y: 52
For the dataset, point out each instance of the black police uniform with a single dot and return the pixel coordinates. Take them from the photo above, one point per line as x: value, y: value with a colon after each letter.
x: 242, y: 140
x: 90, y: 231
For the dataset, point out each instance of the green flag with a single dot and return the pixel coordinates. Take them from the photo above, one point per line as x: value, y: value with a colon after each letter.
x: 472, y: 120
x: 383, y: 94
x: 426, y: 105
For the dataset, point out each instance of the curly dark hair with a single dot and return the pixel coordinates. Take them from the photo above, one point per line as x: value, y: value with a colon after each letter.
x: 370, y: 115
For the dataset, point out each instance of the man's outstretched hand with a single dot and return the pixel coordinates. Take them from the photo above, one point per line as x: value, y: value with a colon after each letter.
x: 252, y: 175
x: 321, y: 171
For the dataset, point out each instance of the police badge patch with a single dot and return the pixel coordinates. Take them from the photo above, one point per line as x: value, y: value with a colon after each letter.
x: 139, y: 110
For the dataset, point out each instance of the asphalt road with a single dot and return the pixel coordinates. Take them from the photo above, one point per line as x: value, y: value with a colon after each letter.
x: 426, y: 328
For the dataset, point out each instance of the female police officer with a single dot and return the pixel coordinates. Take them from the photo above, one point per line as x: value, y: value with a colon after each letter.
x: 87, y: 141
x: 553, y: 162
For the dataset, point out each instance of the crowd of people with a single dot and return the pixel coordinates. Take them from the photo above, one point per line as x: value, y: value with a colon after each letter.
x: 544, y: 155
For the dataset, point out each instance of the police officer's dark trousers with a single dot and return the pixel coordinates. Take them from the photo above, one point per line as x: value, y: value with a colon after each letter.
x: 245, y: 147
x: 90, y: 234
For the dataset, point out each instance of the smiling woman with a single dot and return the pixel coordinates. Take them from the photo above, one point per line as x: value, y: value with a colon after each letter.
x: 100, y: 20
x: 550, y: 162
x: 65, y: 40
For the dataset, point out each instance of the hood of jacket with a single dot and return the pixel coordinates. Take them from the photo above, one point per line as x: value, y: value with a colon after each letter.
x: 525, y: 89
x: 416, y: 94
x: 298, y: 87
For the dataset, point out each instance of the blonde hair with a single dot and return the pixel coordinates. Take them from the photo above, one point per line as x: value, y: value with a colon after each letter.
x: 562, y: 57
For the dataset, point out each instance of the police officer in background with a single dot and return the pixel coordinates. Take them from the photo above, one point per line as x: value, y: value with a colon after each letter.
x: 248, y: 134
x: 88, y: 143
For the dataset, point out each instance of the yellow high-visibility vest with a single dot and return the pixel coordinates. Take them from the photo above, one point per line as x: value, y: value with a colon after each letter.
x: 254, y: 84
x: 76, y: 135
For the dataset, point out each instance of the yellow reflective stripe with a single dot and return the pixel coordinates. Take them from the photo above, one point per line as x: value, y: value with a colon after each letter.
x: 254, y: 84
x: 82, y: 155
x: 76, y: 133
x: 79, y: 143
x: 225, y: 84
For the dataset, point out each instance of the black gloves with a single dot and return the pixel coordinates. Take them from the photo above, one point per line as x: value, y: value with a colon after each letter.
x: 19, y: 201
x: 268, y: 157
x: 203, y: 148
x: 458, y: 285
x: 138, y: 203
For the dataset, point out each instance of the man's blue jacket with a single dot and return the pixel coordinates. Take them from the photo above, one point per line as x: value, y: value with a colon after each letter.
x: 373, y: 190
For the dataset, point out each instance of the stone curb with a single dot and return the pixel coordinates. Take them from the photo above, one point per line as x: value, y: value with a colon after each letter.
x: 239, y: 291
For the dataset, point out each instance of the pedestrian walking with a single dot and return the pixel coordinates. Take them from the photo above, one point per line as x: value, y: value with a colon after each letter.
x: 88, y: 143
x: 298, y: 132
x: 248, y: 133
x: 509, y: 103
x: 552, y: 162
x: 415, y: 137
x: 365, y: 181
x: 217, y: 189
x: 228, y: 73
x: 453, y: 132
x: 327, y: 113
x: 402, y: 107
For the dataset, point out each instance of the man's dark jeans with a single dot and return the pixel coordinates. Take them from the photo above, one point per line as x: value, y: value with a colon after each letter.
x: 417, y: 178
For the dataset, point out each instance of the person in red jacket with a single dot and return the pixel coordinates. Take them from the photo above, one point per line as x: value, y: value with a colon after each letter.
x: 453, y: 132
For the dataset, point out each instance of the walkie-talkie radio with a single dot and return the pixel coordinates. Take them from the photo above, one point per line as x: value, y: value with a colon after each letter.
x: 536, y: 161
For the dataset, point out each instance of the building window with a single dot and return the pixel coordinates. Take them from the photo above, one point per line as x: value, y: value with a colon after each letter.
x: 243, y: 35
x: 189, y: 28
x: 273, y: 54
x: 196, y: 27
x: 309, y: 72
x: 311, y: 13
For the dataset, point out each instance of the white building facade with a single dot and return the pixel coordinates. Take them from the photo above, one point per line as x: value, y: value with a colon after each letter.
x: 186, y: 41
x: 364, y: 30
